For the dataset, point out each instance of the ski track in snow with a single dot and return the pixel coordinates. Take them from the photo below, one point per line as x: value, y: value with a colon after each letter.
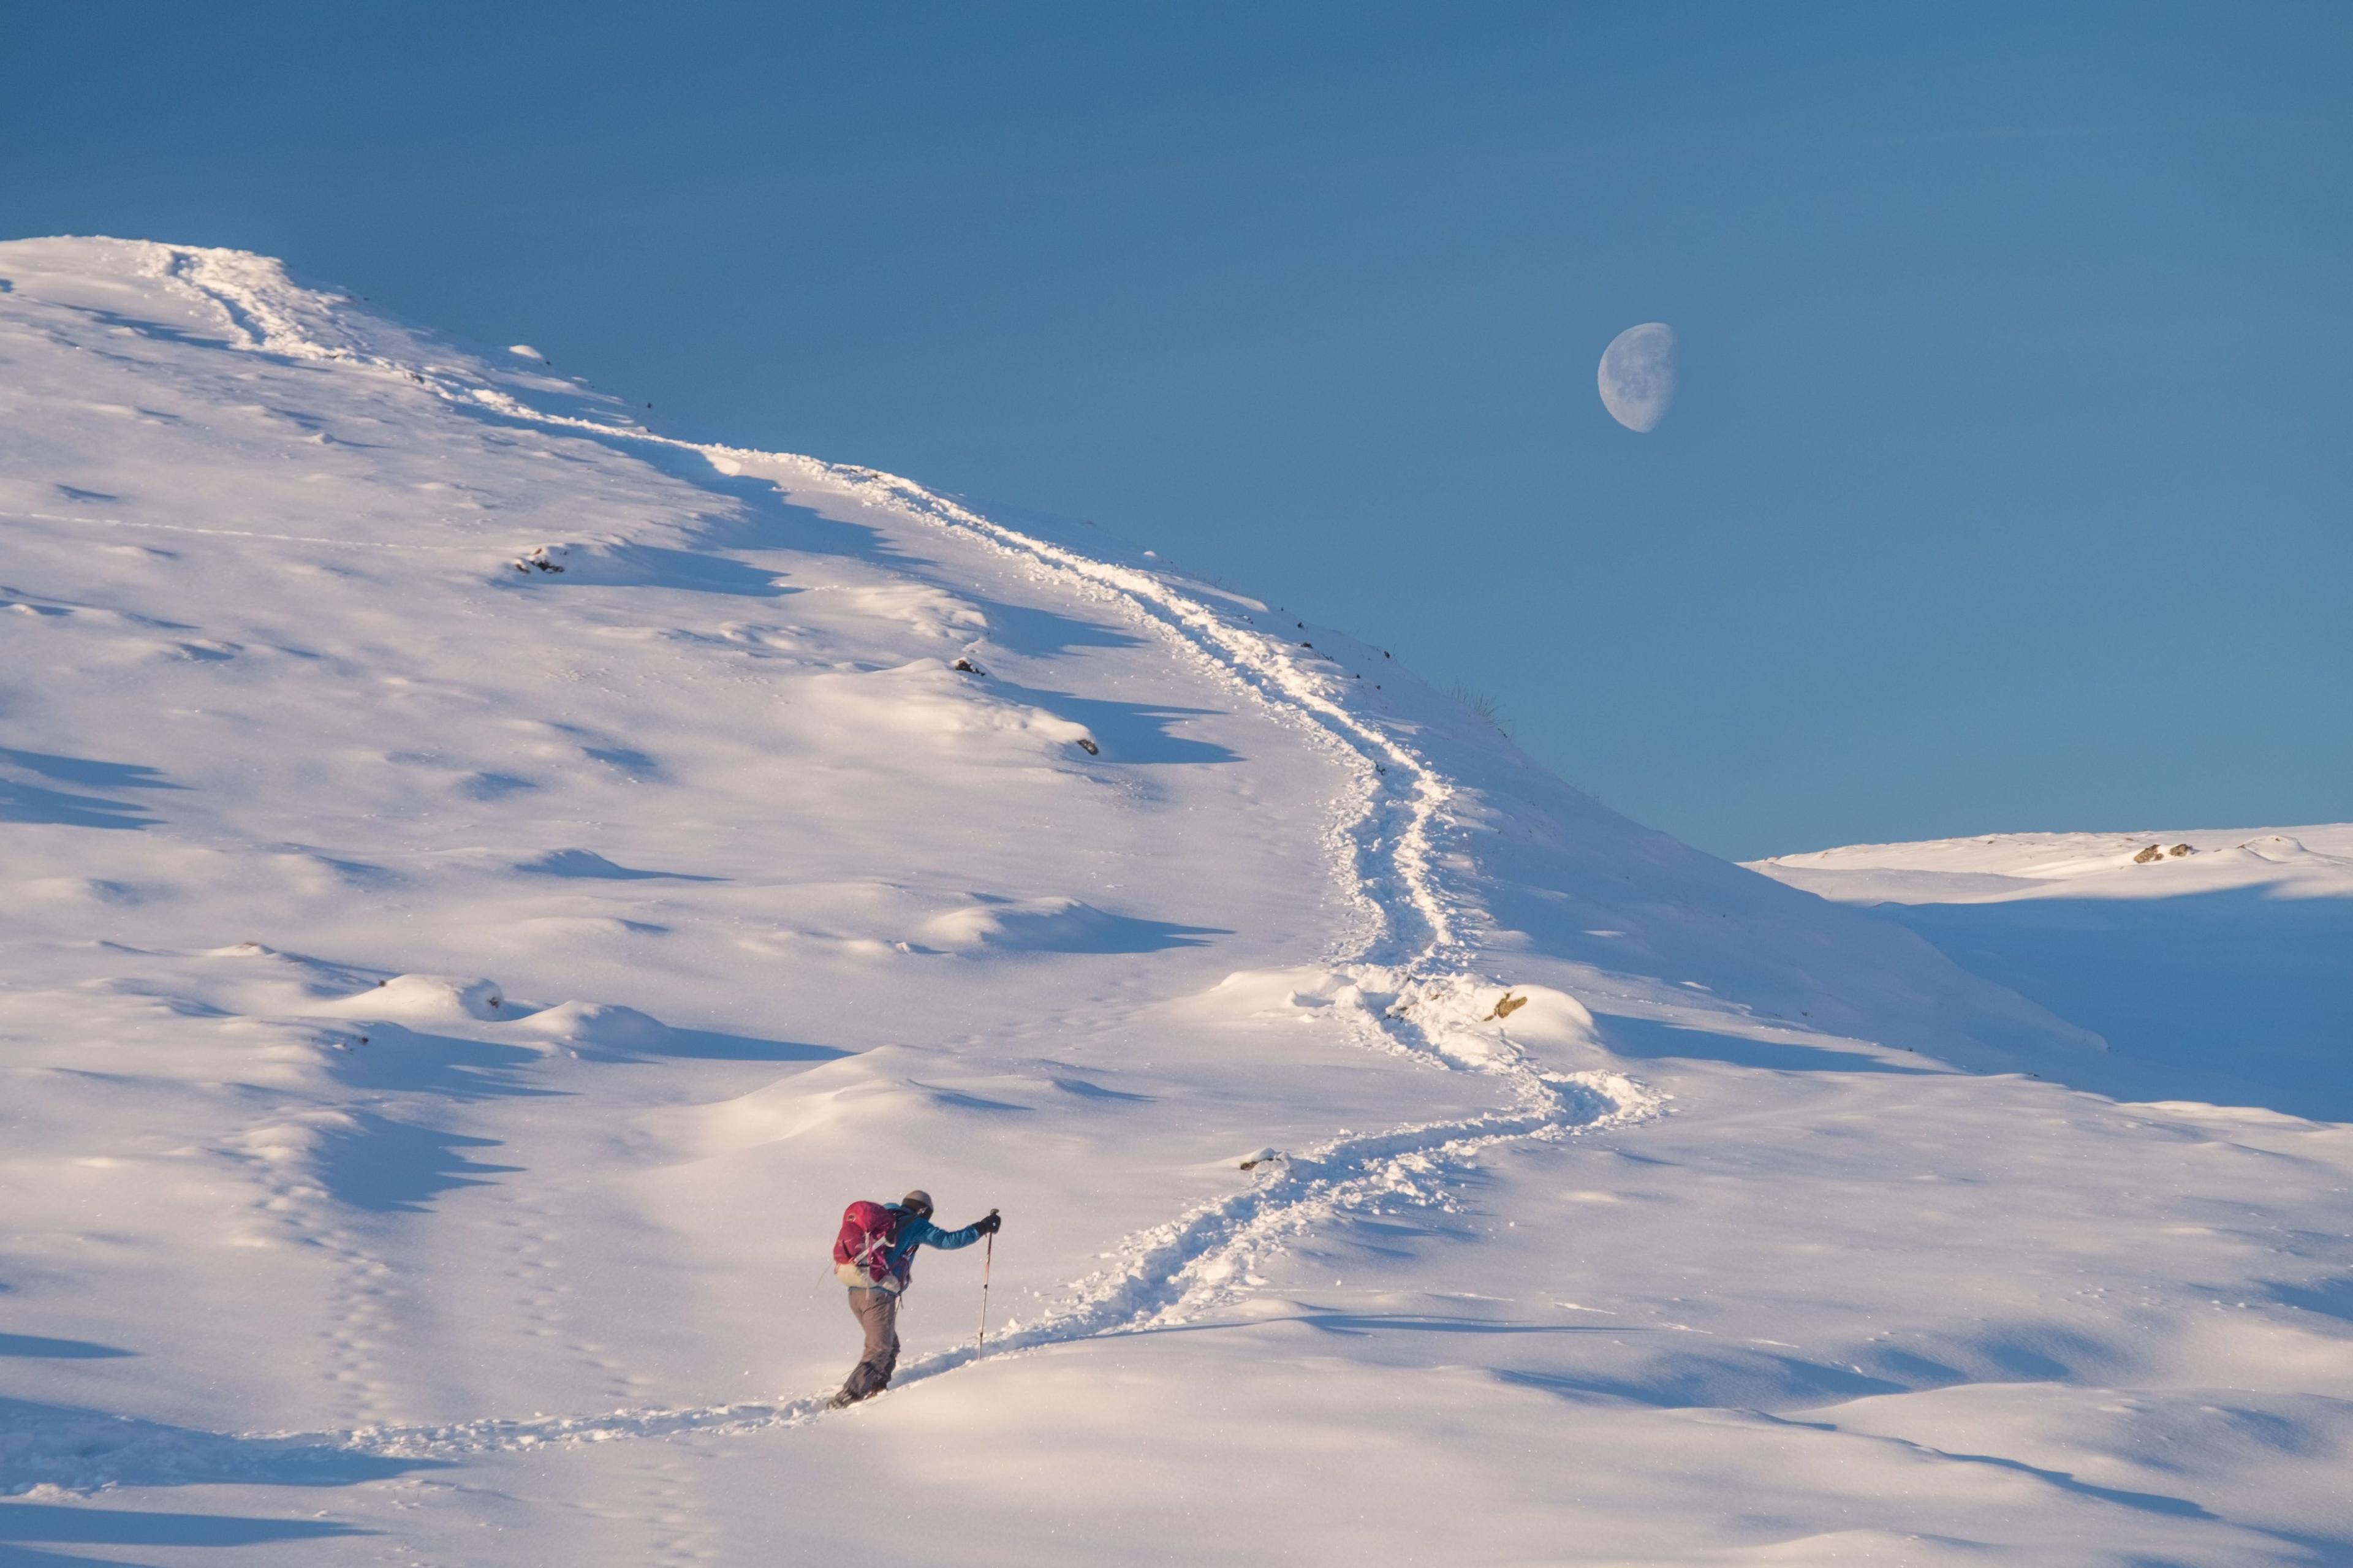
x: 1409, y: 984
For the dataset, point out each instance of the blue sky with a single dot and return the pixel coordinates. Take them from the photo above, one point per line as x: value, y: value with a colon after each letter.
x: 2008, y: 485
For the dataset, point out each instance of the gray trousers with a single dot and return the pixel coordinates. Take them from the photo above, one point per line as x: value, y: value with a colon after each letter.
x: 877, y: 1313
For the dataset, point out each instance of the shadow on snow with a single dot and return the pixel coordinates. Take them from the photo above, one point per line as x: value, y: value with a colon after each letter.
x: 21, y: 800
x: 401, y: 1059
x: 588, y: 863
x: 80, y: 1448
x: 35, y: 1345
x: 1650, y: 1039
x: 392, y: 1167
x: 1129, y: 731
x: 2232, y: 983
x: 86, y: 1525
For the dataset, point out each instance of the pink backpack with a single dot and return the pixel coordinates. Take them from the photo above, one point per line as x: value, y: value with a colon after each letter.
x: 867, y: 1229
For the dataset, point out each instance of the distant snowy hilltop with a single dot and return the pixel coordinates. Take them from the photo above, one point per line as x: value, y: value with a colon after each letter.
x: 2218, y: 960
x: 483, y: 883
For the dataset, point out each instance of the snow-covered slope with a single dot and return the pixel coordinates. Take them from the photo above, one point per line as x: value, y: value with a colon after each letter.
x: 2214, y: 962
x: 484, y: 883
x: 2292, y: 862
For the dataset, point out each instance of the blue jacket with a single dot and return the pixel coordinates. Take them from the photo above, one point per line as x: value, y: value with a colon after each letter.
x: 915, y: 1231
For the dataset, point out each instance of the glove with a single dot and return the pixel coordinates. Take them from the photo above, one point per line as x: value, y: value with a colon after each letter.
x: 989, y: 1224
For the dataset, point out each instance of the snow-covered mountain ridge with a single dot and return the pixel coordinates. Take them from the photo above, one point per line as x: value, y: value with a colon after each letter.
x: 2296, y: 862
x: 448, y: 1000
x: 2214, y: 958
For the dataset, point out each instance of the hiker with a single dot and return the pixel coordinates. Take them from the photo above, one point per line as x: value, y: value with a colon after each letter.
x: 873, y: 1256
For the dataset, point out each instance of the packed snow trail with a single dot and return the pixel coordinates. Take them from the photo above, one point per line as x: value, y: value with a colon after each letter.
x: 275, y: 316
x: 1390, y: 837
x: 1176, y: 1273
x: 1406, y: 983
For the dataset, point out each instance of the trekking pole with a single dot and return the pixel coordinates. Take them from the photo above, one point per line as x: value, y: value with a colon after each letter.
x: 986, y: 1260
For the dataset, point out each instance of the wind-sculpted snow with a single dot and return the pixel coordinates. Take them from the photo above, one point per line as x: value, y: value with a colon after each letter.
x: 1413, y: 950
x: 1393, y: 831
x: 1403, y: 950
x: 484, y: 882
x: 1172, y: 1274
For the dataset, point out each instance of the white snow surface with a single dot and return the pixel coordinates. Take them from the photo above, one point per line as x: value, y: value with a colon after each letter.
x: 2216, y: 959
x: 483, y: 883
x: 2287, y: 862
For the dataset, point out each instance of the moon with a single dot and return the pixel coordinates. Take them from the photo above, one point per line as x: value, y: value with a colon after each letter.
x: 1638, y: 376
